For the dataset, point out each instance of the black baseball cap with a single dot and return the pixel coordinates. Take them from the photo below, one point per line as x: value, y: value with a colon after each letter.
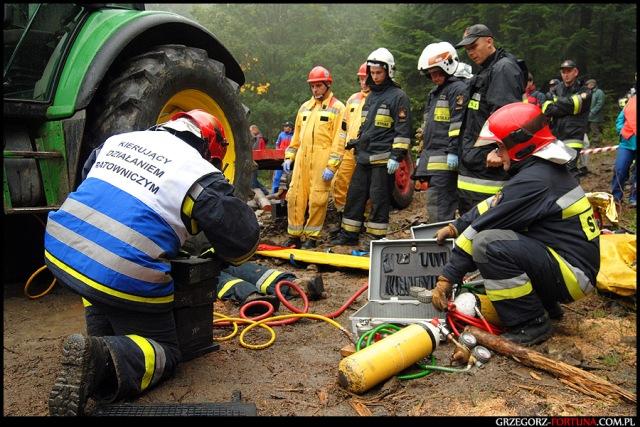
x: 287, y: 123
x: 568, y: 63
x: 472, y: 33
x: 553, y: 82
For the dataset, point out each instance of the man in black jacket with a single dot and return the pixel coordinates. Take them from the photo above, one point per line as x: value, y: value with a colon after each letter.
x: 500, y: 81
x: 536, y: 242
x: 569, y: 110
x: 443, y: 115
x: 383, y: 141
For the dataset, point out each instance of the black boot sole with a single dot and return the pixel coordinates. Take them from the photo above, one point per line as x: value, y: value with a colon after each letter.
x: 68, y: 395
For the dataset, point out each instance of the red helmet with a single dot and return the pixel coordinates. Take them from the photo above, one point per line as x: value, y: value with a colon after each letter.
x: 319, y: 74
x: 520, y: 127
x: 362, y: 71
x: 211, y: 131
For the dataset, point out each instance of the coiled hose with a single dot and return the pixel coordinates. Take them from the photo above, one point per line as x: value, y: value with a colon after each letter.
x: 263, y: 320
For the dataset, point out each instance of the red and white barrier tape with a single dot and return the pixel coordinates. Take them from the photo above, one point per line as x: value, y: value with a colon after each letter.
x: 599, y: 149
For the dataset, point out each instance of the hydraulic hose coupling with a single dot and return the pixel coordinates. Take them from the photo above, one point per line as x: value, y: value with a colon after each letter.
x: 373, y: 364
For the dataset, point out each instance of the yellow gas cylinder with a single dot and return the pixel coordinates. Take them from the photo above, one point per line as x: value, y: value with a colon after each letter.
x: 385, y: 358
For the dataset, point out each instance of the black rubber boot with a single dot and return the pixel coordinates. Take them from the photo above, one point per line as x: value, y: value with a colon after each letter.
x: 531, y: 332
x: 310, y: 244
x: 293, y: 242
x: 85, y: 363
x: 344, y: 239
x: 259, y: 309
x: 555, y: 311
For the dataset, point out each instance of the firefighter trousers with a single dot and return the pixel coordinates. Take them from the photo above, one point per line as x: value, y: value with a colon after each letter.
x: 368, y: 182
x: 442, y: 196
x: 522, y: 276
x: 143, y: 347
x: 237, y: 283
x: 340, y: 183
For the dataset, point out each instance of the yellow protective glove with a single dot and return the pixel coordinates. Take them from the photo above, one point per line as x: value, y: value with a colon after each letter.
x: 446, y: 232
x: 441, y: 294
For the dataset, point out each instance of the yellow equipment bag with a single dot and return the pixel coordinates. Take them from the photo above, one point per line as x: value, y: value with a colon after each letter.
x: 617, y: 264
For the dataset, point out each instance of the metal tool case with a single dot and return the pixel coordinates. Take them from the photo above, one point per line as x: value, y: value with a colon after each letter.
x: 395, y: 266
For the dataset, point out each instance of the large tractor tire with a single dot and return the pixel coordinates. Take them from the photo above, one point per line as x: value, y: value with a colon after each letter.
x: 149, y: 88
x: 402, y: 193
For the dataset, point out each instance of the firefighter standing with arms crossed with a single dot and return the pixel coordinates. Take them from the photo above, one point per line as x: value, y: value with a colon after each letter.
x: 500, y: 81
x: 536, y: 242
x: 569, y: 111
x: 443, y: 115
x: 316, y: 147
x: 382, y: 142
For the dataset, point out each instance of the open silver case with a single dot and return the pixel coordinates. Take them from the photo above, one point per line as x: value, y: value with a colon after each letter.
x: 395, y: 266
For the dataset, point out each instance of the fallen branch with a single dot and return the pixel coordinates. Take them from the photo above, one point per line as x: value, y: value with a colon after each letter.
x: 262, y: 200
x: 576, y: 378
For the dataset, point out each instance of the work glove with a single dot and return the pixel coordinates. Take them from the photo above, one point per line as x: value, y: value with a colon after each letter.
x: 286, y: 166
x: 392, y: 166
x: 351, y: 144
x: 446, y: 232
x: 441, y: 293
x: 452, y: 160
x: 327, y: 175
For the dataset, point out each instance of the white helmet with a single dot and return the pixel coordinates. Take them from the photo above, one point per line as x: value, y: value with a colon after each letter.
x: 464, y: 71
x: 382, y: 55
x: 441, y: 55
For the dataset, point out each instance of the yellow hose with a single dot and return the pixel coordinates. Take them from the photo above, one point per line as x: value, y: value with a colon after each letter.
x: 287, y: 316
x: 235, y: 321
x: 46, y: 291
x: 262, y: 324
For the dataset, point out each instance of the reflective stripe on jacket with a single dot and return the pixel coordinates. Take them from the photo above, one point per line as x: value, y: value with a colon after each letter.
x: 112, y: 238
x: 443, y: 114
x: 541, y: 201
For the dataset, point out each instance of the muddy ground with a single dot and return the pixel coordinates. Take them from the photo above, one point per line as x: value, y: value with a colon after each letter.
x: 297, y: 375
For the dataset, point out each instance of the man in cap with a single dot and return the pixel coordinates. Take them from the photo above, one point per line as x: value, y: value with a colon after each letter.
x: 596, y: 112
x: 569, y: 110
x: 500, y: 81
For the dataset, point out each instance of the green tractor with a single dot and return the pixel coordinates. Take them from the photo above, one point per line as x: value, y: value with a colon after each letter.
x: 75, y: 74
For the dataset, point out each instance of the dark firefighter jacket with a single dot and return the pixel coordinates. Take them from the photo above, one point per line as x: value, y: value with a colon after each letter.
x: 499, y: 82
x: 112, y: 238
x: 386, y: 126
x: 443, y: 113
x: 541, y: 201
x: 569, y: 113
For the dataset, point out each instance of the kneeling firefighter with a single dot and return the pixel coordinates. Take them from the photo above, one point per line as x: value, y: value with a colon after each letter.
x: 111, y: 240
x: 536, y: 242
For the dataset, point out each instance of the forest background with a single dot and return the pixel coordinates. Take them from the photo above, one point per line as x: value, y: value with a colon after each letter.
x: 278, y: 44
